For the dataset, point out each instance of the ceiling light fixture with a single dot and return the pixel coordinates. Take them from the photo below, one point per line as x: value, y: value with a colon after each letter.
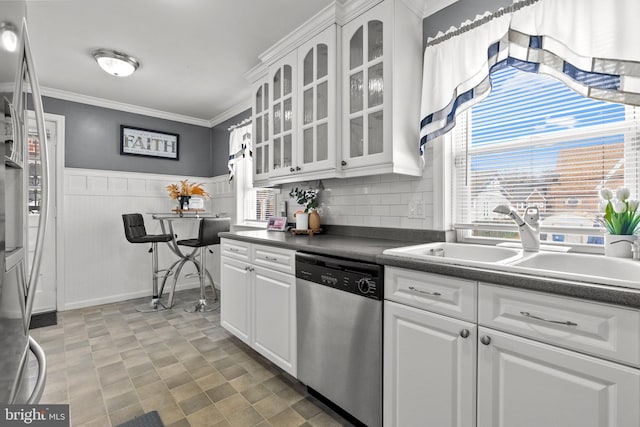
x: 115, y: 63
x: 8, y: 36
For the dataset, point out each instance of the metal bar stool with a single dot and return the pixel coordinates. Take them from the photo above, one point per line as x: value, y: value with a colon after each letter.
x: 135, y: 232
x: 207, y: 236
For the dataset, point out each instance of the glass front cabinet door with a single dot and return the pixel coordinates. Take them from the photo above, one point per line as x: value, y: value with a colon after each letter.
x: 261, y: 140
x: 366, y: 86
x: 283, y: 111
x: 317, y: 106
x: 381, y: 66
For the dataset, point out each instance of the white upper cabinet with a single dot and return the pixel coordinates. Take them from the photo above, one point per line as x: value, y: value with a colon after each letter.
x: 381, y: 75
x: 283, y: 103
x: 261, y: 139
x: 343, y: 100
x: 317, y: 106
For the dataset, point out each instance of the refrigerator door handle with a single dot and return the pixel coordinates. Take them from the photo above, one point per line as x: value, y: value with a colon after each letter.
x: 44, y: 207
x: 42, y: 372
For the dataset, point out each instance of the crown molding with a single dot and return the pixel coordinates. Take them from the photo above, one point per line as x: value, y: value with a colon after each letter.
x: 314, y: 25
x: 258, y: 72
x: 231, y: 112
x: 354, y: 8
x: 120, y: 106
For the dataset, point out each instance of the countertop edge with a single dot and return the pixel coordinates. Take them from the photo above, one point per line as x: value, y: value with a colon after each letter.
x: 601, y: 293
x: 591, y: 291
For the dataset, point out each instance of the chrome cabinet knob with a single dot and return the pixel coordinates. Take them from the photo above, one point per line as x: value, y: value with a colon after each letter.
x: 344, y: 163
x: 486, y: 340
x: 464, y: 333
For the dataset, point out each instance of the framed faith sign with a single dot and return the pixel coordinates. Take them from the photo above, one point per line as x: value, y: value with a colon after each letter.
x: 150, y: 143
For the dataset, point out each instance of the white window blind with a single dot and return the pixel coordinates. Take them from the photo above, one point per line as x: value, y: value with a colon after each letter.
x: 535, y: 142
x: 265, y: 204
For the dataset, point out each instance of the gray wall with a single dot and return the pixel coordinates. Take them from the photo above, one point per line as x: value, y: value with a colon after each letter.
x: 92, y: 141
x: 457, y: 13
x: 220, y: 142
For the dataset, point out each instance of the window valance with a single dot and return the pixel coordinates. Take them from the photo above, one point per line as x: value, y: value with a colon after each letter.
x: 590, y: 45
x: 239, y: 147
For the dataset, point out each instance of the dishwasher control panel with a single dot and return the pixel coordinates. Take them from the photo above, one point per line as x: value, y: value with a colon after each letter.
x: 360, y: 278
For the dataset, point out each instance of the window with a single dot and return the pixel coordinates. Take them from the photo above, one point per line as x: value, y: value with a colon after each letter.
x: 260, y: 204
x: 535, y: 142
x: 253, y: 204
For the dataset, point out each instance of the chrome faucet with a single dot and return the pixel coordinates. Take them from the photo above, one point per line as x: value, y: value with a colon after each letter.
x: 529, y: 227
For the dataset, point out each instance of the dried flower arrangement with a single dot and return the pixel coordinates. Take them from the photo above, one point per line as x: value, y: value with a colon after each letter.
x: 187, y: 189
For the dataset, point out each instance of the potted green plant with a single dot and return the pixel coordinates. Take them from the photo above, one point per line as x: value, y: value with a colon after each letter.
x: 620, y: 218
x: 308, y: 199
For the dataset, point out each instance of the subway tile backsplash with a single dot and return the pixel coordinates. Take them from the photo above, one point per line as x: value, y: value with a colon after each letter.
x: 393, y: 201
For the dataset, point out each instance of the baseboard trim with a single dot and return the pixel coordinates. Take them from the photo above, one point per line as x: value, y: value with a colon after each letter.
x: 40, y: 320
x: 122, y: 297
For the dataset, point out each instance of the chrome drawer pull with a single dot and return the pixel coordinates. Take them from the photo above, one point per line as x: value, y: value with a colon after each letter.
x: 434, y: 294
x: 234, y: 249
x: 270, y: 258
x: 558, y: 322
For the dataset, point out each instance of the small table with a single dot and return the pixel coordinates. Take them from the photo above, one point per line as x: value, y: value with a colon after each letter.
x: 166, y: 224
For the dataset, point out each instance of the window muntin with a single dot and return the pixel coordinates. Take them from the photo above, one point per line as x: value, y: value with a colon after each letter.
x: 534, y: 141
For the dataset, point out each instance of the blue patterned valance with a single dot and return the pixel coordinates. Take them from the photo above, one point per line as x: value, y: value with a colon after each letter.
x: 590, y: 45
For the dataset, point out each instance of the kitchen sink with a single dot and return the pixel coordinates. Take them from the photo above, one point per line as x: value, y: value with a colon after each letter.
x: 582, y: 267
x: 457, y: 253
x: 568, y: 266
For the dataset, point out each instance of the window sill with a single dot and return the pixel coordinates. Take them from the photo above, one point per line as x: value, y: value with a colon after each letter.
x: 249, y: 225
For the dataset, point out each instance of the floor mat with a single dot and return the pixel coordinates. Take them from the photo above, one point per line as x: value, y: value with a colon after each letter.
x: 150, y: 419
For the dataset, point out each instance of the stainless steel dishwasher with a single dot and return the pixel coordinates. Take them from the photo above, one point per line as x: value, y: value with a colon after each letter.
x: 339, y: 315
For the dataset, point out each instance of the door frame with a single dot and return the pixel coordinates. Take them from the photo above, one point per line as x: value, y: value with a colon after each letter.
x: 58, y: 175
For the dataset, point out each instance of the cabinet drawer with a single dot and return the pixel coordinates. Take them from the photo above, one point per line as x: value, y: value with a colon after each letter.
x: 235, y: 249
x: 440, y: 294
x: 603, y: 330
x: 274, y: 258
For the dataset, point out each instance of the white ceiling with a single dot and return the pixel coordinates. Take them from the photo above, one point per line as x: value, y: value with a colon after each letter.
x: 193, y: 53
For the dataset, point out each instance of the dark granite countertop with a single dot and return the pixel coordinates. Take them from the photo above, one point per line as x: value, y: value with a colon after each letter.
x: 354, y: 247
x: 369, y: 249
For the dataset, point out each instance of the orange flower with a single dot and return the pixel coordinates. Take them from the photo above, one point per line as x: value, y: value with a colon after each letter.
x: 187, y: 189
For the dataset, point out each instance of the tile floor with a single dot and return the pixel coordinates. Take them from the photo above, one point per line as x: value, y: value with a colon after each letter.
x: 111, y: 363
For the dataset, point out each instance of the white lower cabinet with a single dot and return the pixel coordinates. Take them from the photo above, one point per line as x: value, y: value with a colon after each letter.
x: 235, y: 285
x: 274, y: 317
x: 522, y: 364
x: 258, y: 304
x: 429, y: 368
x: 525, y: 383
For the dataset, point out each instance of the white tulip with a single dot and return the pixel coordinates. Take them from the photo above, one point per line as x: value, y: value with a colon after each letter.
x: 606, y: 194
x: 619, y: 206
x: 603, y: 206
x: 633, y: 205
x: 623, y: 193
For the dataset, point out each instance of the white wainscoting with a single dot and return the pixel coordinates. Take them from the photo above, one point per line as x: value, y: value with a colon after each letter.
x: 100, y: 265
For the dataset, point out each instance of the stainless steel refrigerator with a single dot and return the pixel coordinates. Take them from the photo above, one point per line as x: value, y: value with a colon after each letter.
x: 19, y: 91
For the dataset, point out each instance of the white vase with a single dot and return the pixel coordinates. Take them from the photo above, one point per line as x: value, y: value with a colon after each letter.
x: 619, y: 245
x: 302, y: 221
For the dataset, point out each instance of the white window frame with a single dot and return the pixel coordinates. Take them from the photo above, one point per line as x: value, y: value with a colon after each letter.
x: 246, y: 194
